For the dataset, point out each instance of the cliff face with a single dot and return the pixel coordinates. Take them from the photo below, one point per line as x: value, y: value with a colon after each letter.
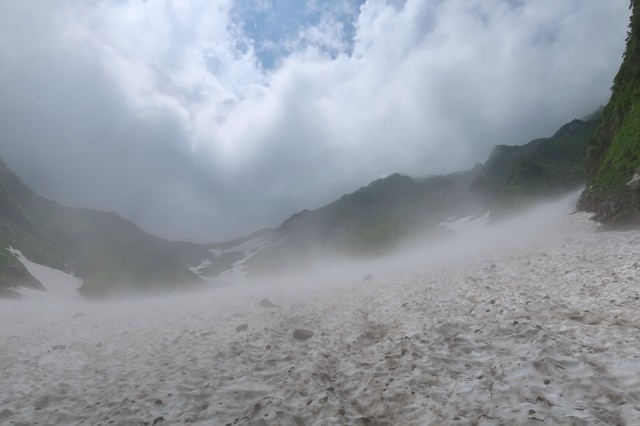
x: 613, y: 156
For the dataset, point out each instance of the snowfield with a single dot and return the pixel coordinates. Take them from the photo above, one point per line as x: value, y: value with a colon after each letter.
x: 535, y: 321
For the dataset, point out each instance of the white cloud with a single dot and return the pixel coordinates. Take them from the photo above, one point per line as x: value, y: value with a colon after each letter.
x: 425, y: 86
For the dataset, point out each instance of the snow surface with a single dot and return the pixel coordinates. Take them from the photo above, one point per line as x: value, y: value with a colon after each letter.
x: 466, y: 223
x: 59, y: 284
x: 248, y: 248
x: 531, y: 321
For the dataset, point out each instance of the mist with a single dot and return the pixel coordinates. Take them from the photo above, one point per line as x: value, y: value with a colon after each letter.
x: 136, y: 133
x: 469, y: 238
x: 410, y: 337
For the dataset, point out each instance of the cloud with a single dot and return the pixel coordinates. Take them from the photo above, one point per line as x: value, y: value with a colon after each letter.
x: 198, y: 120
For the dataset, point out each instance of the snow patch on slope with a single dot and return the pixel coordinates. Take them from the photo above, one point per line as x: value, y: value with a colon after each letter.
x: 247, y: 248
x: 58, y: 283
x: 467, y: 223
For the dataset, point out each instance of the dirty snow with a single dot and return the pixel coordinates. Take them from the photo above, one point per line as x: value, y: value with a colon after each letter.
x: 537, y: 321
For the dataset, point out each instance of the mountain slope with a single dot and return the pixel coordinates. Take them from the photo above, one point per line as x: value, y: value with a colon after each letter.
x: 13, y: 274
x: 109, y: 253
x: 554, y: 167
x: 613, y: 157
x: 376, y: 217
x: 396, y: 199
x: 369, y: 221
x: 113, y: 255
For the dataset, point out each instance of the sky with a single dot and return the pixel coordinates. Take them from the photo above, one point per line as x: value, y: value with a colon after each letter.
x: 205, y: 120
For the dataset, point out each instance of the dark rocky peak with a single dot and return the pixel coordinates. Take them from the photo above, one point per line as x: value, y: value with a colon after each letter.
x: 570, y: 128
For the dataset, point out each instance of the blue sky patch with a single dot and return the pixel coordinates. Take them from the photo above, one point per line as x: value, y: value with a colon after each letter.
x: 276, y: 27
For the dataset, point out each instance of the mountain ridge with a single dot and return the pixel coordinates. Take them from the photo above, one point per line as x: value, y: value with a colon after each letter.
x: 113, y: 256
x: 374, y: 218
x: 109, y: 253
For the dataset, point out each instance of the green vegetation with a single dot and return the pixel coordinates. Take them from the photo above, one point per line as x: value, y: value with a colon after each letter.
x: 554, y: 167
x: 6, y: 257
x: 614, y: 153
x: 109, y: 253
x: 622, y: 158
x: 114, y: 256
x: 516, y: 176
x: 375, y: 239
x: 498, y: 168
x: 382, y: 212
x: 375, y: 218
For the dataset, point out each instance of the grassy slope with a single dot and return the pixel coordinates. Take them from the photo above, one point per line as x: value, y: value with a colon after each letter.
x: 113, y: 255
x: 382, y: 211
x: 554, y: 167
x: 498, y: 167
x: 369, y: 221
x: 374, y: 218
x: 614, y: 153
x: 110, y: 254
